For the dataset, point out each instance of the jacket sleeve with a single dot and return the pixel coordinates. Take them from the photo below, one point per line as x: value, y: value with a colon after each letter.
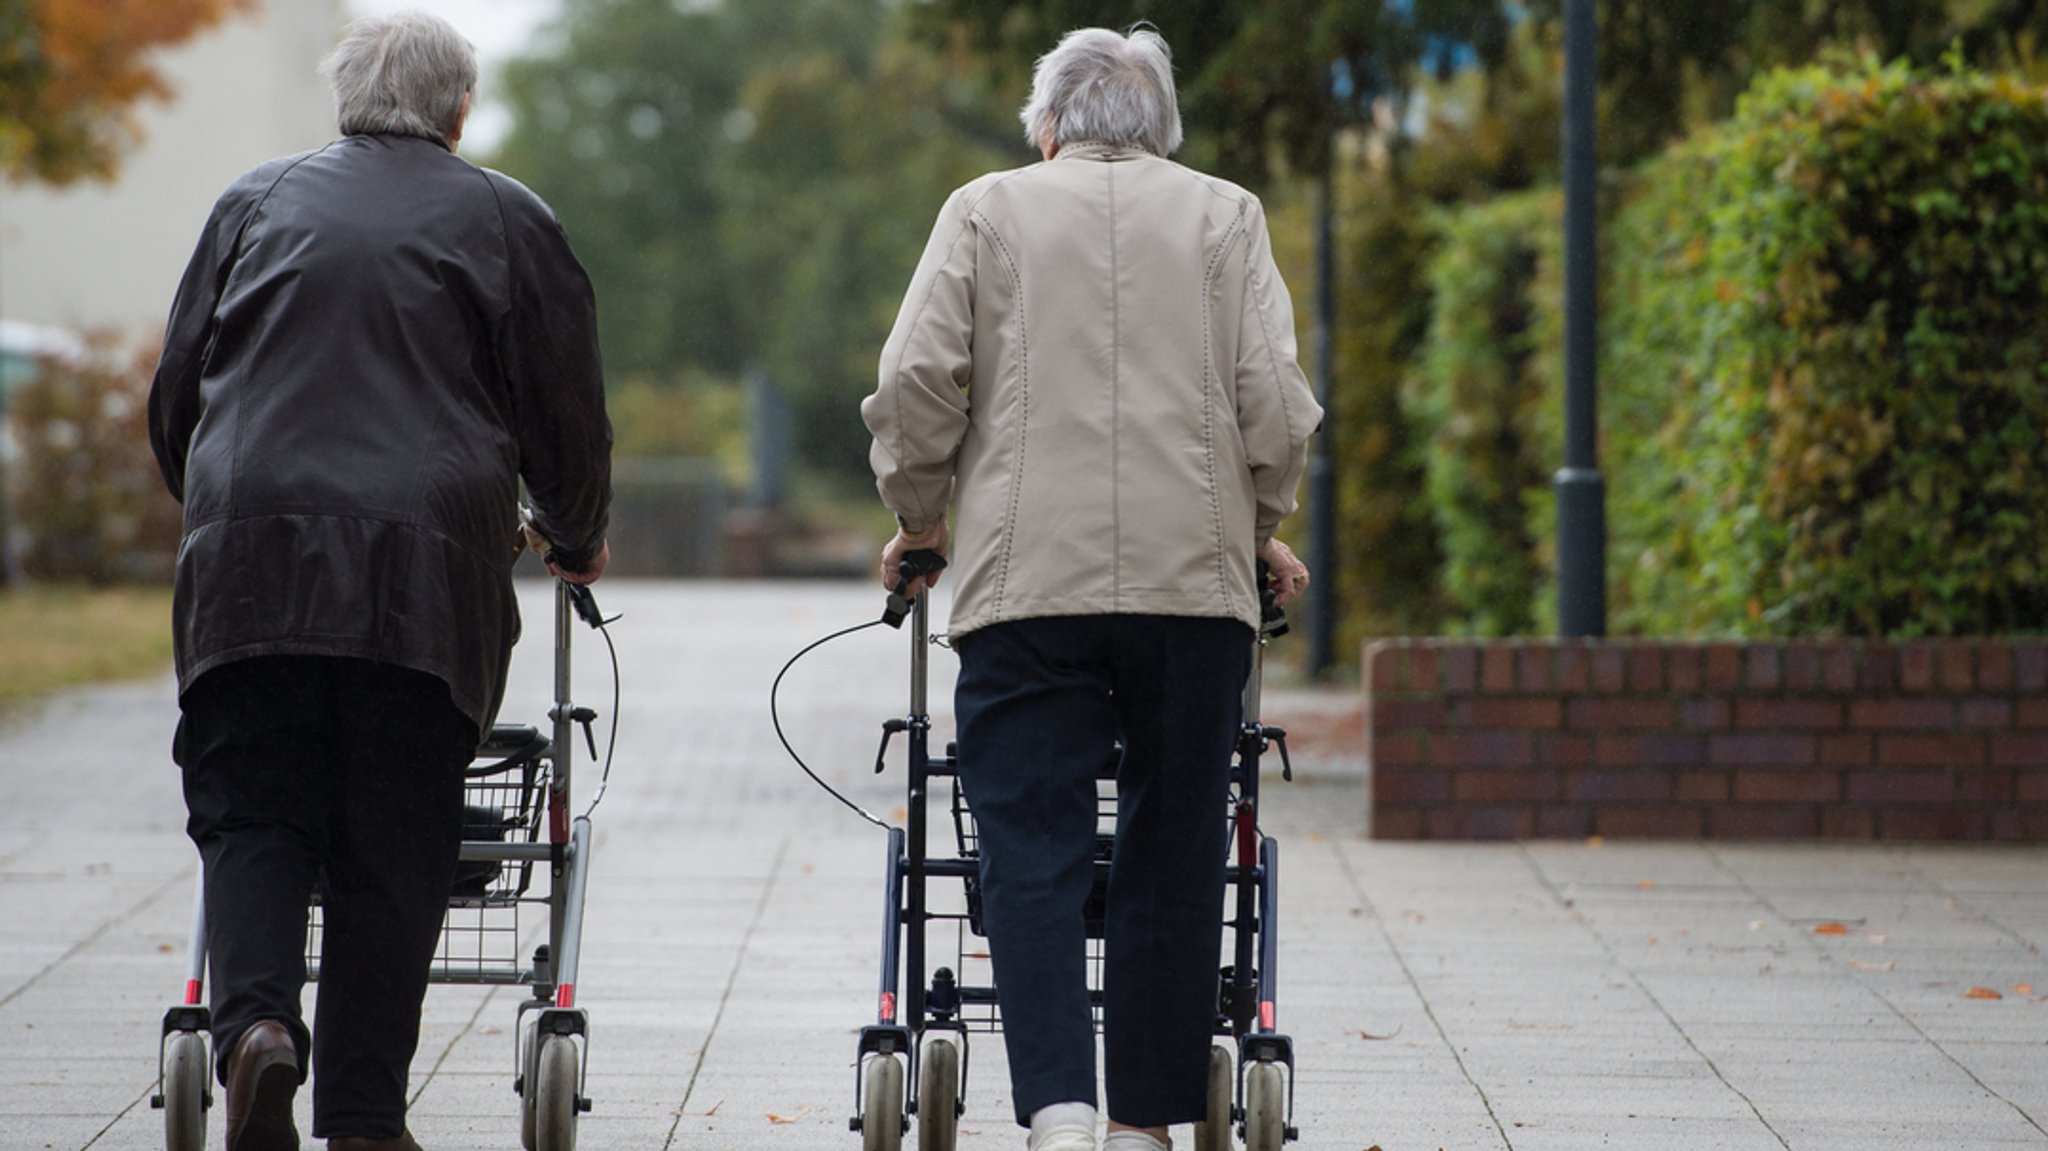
x: 174, y: 401
x: 548, y: 347
x: 1276, y: 411
x: 918, y: 412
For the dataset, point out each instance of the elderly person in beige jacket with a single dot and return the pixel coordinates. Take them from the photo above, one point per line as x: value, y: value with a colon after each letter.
x: 1094, y: 368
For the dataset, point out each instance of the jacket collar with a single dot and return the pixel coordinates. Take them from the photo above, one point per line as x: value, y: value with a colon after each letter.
x: 1098, y: 150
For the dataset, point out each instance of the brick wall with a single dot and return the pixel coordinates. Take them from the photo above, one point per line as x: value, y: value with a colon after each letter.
x: 1766, y: 740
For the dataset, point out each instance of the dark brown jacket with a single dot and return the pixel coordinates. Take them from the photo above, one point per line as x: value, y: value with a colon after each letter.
x: 373, y: 344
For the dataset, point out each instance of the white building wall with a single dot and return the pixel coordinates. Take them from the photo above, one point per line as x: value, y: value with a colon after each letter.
x: 91, y: 255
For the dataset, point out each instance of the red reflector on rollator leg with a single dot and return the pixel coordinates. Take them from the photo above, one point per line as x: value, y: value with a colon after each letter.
x: 888, y: 1007
x: 565, y: 995
x: 1266, y: 1014
x: 192, y: 991
x: 558, y: 817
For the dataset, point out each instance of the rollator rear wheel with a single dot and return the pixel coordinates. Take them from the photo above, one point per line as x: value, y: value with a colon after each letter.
x: 1265, y: 1107
x: 185, y: 1073
x: 554, y: 1101
x: 938, y: 1097
x: 1213, y: 1132
x: 881, y: 1111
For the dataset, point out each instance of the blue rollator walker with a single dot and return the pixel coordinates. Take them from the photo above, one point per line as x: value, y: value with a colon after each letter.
x: 913, y: 1058
x: 516, y: 800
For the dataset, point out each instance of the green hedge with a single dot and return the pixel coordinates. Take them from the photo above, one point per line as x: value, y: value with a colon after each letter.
x: 1827, y: 368
x: 1485, y: 396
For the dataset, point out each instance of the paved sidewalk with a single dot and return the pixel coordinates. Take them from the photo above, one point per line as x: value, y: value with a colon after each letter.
x: 1525, y: 996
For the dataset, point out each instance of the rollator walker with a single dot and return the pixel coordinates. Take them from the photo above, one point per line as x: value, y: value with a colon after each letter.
x: 913, y: 1059
x: 516, y: 820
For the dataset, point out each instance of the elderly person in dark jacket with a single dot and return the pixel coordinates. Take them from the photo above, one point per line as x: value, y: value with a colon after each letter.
x: 1094, y: 368
x: 373, y: 345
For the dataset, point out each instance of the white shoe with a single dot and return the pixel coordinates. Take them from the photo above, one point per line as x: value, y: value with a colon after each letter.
x: 1062, y: 1127
x: 1133, y: 1141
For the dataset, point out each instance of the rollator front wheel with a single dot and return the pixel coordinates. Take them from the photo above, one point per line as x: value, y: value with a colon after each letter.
x: 881, y: 1110
x: 554, y: 1098
x: 529, y: 1072
x: 185, y: 1074
x: 1213, y: 1132
x: 938, y: 1097
x: 1265, y: 1107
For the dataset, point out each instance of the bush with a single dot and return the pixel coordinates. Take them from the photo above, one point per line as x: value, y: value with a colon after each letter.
x: 1829, y: 364
x: 87, y: 492
x: 1486, y: 397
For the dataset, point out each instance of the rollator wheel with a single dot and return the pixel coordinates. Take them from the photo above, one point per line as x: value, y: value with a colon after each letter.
x: 185, y: 1073
x: 1213, y: 1132
x: 554, y: 1097
x: 529, y: 1071
x: 881, y: 1109
x: 938, y: 1097
x: 1265, y: 1107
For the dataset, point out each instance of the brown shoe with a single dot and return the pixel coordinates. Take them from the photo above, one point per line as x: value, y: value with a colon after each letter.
x: 404, y: 1142
x: 263, y: 1075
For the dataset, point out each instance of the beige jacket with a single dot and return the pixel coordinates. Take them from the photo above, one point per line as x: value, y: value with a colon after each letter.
x: 1095, y: 365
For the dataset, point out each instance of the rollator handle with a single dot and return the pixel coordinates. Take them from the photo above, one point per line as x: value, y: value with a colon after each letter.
x: 1272, y: 617
x: 922, y: 562
x: 585, y: 603
x: 580, y: 596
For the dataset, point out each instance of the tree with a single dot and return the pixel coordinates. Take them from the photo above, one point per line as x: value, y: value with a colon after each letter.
x: 1666, y: 68
x: 71, y: 74
x: 1263, y: 82
x: 749, y: 185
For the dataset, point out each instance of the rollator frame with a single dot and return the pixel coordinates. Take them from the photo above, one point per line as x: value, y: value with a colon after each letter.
x: 1251, y: 1102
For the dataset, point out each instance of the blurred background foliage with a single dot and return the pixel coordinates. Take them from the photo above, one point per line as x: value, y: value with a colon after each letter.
x: 1819, y: 347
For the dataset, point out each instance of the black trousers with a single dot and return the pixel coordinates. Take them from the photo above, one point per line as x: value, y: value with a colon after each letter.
x: 1039, y: 704
x: 305, y: 769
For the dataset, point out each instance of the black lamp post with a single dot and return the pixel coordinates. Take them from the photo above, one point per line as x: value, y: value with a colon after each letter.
x: 1581, y: 493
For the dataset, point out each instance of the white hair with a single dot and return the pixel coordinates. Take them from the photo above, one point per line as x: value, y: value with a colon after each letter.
x: 403, y: 74
x: 1100, y: 85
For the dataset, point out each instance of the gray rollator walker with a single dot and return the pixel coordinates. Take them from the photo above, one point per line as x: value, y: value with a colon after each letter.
x: 517, y: 814
x: 924, y: 1016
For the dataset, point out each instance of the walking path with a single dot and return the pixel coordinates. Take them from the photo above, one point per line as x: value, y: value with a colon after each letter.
x: 1526, y: 996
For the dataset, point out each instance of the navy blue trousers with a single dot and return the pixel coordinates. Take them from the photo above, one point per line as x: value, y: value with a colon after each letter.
x: 295, y: 764
x: 1039, y: 704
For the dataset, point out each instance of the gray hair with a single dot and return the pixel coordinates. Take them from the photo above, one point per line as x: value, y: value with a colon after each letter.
x: 404, y: 74
x: 1100, y: 85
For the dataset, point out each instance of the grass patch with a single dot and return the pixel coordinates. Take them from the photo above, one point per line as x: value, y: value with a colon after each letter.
x: 54, y: 637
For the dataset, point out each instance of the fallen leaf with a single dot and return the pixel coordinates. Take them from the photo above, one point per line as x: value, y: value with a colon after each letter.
x: 2023, y: 989
x: 163, y: 948
x: 1866, y: 965
x: 1831, y: 928
x: 1645, y: 884
x: 1981, y: 993
x: 774, y: 1118
x: 1369, y: 1035
x: 1652, y: 942
x: 1756, y: 925
x: 1596, y: 841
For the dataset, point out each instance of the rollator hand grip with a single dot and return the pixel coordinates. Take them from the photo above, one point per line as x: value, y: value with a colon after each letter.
x: 922, y: 562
